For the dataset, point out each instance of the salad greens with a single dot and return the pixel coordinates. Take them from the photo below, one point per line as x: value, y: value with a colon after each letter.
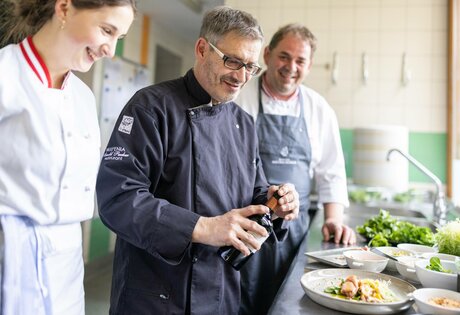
x: 404, y: 196
x: 435, y: 265
x: 363, y: 196
x: 385, y: 230
x: 334, y: 289
x: 448, y: 238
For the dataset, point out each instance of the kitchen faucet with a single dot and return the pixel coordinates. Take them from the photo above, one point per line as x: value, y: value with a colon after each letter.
x: 439, y: 204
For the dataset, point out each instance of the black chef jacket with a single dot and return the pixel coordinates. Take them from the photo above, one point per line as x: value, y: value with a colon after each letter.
x: 171, y: 159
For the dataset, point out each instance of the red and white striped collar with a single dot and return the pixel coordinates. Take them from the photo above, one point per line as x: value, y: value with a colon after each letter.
x: 36, y: 63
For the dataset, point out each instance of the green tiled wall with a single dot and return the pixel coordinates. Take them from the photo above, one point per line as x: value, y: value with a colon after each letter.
x: 99, y: 240
x: 428, y: 148
x: 119, y: 48
x: 346, y: 136
x: 431, y: 150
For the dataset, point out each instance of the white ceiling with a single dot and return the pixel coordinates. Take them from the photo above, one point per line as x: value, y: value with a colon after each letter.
x: 177, y: 16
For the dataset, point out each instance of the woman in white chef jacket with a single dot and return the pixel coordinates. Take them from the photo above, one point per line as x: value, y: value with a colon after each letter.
x: 50, y: 146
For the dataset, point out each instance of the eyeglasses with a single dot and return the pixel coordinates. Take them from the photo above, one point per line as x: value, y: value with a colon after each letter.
x: 235, y: 64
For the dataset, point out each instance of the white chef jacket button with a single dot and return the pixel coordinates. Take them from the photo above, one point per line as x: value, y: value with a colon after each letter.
x: 69, y: 134
x: 65, y: 186
x: 87, y: 188
x: 87, y: 136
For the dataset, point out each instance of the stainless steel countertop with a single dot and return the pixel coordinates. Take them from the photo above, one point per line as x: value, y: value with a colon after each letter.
x: 291, y: 298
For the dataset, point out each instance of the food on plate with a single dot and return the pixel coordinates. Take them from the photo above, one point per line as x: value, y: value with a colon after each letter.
x: 448, y: 238
x: 364, y: 290
x: 400, y: 253
x: 435, y: 265
x: 445, y: 302
x: 385, y: 230
x: 350, y: 286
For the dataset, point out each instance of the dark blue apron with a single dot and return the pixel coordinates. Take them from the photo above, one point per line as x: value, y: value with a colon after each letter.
x: 286, y: 154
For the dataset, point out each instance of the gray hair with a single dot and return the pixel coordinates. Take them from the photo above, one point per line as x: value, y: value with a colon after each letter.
x: 222, y: 20
x: 22, y: 18
x: 296, y: 29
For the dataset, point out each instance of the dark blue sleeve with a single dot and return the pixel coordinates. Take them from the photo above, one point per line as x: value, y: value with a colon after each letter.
x: 132, y: 164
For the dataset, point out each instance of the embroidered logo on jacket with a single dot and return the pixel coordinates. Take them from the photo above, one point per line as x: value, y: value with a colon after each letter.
x: 115, y: 153
x: 126, y: 124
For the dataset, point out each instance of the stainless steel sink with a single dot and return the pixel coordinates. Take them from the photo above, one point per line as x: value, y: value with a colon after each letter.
x: 364, y: 210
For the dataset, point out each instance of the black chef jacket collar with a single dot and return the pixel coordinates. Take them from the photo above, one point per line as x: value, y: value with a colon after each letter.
x: 196, y: 90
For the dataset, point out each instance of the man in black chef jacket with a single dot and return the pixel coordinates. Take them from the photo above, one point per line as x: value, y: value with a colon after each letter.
x: 181, y: 174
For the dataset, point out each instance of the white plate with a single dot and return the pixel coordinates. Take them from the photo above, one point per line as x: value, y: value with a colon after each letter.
x: 440, y: 256
x: 417, y: 249
x: 333, y: 257
x: 406, y: 268
x: 395, y: 253
x: 315, y: 282
x: 423, y: 296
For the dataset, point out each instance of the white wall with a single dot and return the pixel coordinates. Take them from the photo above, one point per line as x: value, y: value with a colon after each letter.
x: 384, y: 30
x: 157, y: 36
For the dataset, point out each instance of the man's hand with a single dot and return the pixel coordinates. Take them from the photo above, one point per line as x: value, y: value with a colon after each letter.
x: 333, y: 225
x: 232, y: 228
x: 342, y: 233
x: 288, y: 204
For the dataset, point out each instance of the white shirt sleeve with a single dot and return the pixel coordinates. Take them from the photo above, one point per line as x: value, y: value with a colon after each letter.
x: 327, y: 164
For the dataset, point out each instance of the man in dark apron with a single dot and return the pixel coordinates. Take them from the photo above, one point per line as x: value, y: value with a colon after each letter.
x: 298, y: 141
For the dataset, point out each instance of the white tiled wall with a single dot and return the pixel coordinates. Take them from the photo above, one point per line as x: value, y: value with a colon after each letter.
x: 384, y: 30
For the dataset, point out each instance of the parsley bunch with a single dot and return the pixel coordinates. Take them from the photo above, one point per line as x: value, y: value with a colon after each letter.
x: 385, y: 230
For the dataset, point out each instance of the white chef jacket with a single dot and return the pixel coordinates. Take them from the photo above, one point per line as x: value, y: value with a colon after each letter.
x: 48, y: 166
x: 327, y: 165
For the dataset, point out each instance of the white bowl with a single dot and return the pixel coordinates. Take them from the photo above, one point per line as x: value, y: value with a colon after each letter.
x: 365, y: 260
x: 406, y: 268
x: 395, y: 253
x: 436, y: 279
x: 440, y: 256
x: 417, y: 249
x: 423, y: 296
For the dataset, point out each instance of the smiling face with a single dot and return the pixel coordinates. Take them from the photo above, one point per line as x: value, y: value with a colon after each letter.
x: 91, y: 34
x: 221, y: 83
x: 287, y: 64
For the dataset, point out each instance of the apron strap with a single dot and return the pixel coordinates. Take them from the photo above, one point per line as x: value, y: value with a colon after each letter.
x: 21, y: 292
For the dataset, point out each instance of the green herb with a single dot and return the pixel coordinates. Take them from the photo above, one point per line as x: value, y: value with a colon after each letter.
x: 383, y: 230
x: 448, y: 238
x: 363, y: 196
x: 404, y: 197
x: 333, y: 290
x: 378, y: 240
x: 435, y: 265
